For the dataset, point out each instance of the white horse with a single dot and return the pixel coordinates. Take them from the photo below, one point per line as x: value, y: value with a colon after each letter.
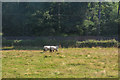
x: 51, y: 48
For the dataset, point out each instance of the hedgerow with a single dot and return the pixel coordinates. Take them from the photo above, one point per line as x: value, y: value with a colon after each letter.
x: 65, y: 43
x: 96, y: 43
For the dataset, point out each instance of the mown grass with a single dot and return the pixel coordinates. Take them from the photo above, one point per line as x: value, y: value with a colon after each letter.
x: 66, y: 63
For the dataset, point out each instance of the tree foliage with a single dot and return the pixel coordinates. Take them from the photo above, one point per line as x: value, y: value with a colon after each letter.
x: 60, y: 19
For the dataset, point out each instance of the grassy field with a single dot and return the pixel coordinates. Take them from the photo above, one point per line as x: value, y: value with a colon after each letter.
x: 66, y: 63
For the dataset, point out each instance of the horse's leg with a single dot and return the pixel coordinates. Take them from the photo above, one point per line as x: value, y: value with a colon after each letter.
x: 50, y: 50
x: 56, y: 50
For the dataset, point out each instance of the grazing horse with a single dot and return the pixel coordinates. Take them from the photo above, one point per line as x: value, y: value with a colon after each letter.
x: 51, y: 48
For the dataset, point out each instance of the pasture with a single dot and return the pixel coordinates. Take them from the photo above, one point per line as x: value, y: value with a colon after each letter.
x: 66, y: 63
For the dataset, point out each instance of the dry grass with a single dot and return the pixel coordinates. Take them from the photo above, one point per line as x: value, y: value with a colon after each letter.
x: 66, y: 63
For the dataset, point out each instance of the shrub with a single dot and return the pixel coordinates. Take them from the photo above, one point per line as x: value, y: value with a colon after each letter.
x: 96, y: 43
x: 65, y: 43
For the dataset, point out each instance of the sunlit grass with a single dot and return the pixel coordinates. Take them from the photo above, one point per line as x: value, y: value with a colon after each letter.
x: 66, y: 63
x: 1, y: 34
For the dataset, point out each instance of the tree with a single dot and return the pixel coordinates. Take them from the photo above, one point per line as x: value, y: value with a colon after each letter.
x: 99, y: 16
x: 118, y: 8
x: 60, y: 19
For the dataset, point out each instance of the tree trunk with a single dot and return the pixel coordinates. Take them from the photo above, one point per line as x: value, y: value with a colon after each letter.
x: 119, y: 23
x: 119, y: 8
x: 99, y: 16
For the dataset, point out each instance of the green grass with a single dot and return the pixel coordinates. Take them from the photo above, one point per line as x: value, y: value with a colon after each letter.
x: 66, y: 63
